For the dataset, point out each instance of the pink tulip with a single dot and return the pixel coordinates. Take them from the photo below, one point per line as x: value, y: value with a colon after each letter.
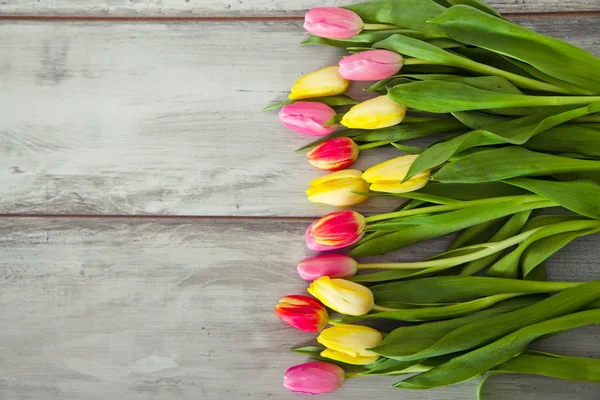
x: 331, y: 265
x: 334, y: 154
x: 314, y: 378
x: 308, y: 117
x: 302, y: 312
x: 371, y: 65
x: 332, y: 22
x: 335, y: 230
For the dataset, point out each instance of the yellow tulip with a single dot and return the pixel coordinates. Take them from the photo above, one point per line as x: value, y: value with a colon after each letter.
x: 376, y: 113
x: 324, y: 82
x: 343, y: 296
x: 387, y: 176
x: 349, y: 343
x: 345, y: 358
x: 336, y: 189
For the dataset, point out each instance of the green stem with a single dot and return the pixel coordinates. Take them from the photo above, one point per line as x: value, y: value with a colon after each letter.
x: 449, y: 207
x: 488, y: 249
x: 381, y: 308
x: 378, y: 27
x: 518, y: 80
x: 352, y: 374
x: 372, y: 145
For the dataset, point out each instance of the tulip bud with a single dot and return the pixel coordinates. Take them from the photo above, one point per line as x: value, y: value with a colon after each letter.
x: 335, y: 230
x: 371, y: 65
x: 343, y: 296
x: 334, y: 154
x: 314, y: 378
x: 376, y: 113
x: 331, y: 265
x: 332, y: 22
x: 387, y: 176
x: 302, y: 312
x: 349, y: 343
x: 308, y: 117
x: 336, y: 189
x: 324, y: 82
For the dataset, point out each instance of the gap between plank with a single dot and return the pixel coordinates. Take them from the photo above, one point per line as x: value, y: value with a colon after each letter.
x: 162, y: 217
x: 160, y: 19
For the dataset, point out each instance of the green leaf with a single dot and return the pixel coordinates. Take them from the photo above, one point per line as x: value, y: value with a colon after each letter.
x: 551, y: 56
x: 444, y: 43
x: 562, y: 367
x: 568, y: 138
x: 579, y: 196
x: 332, y: 101
x: 336, y: 119
x: 448, y: 289
x: 548, y: 78
x: 480, y: 360
x: 392, y: 367
x: 310, y: 350
x: 477, y: 234
x: 477, y: 119
x: 434, y: 313
x: 408, y: 149
x: 409, y: 340
x: 444, y: 97
x: 430, y: 227
x: 411, y: 14
x: 509, y: 162
x: 366, y: 38
x: 516, y: 131
x: 542, y: 249
x: 479, y: 333
x: 510, y: 228
x: 480, y: 5
x: 508, y: 266
x: 466, y: 192
x: 409, y: 131
x: 435, y: 55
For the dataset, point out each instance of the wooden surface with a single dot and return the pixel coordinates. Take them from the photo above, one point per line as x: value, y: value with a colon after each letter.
x: 129, y: 118
x: 244, y: 8
x: 182, y: 309
x: 164, y: 205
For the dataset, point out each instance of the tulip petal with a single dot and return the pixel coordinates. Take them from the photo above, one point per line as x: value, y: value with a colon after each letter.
x: 345, y: 358
x: 324, y: 82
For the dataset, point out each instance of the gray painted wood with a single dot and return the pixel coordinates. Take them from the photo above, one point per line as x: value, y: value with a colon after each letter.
x: 96, y: 309
x: 205, y: 8
x: 164, y: 118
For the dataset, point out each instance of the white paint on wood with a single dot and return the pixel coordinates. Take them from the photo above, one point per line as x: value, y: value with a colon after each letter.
x: 101, y: 309
x: 206, y: 8
x: 164, y: 118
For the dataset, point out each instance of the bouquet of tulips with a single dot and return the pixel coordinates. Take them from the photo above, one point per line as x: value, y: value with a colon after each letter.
x: 513, y: 166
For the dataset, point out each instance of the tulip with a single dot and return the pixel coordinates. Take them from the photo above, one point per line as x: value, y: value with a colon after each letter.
x: 349, y: 343
x: 331, y: 265
x: 335, y: 230
x: 324, y: 82
x: 376, y: 113
x: 314, y: 378
x: 332, y: 22
x: 371, y: 65
x: 343, y: 296
x: 334, y: 154
x: 336, y: 189
x: 302, y: 312
x: 388, y: 176
x: 308, y: 117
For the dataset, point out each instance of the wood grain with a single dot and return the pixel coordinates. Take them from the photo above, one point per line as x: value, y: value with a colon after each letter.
x: 154, y: 309
x: 164, y: 118
x: 208, y: 8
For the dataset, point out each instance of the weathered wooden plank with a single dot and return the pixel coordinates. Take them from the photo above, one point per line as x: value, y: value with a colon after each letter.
x: 164, y: 309
x: 164, y: 118
x: 208, y: 8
